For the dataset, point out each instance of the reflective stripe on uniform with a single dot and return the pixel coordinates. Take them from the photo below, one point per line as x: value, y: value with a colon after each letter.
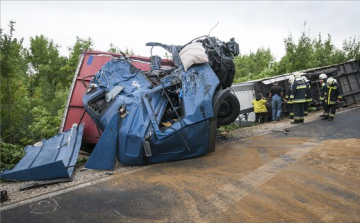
x: 299, y: 100
x: 301, y: 87
x: 329, y: 95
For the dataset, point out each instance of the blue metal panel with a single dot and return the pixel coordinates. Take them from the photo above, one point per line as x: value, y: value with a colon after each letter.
x: 194, y: 141
x: 104, y: 155
x: 54, y: 158
x: 89, y: 62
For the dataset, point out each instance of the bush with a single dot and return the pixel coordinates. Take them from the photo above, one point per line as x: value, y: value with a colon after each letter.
x: 228, y: 128
x: 10, y: 155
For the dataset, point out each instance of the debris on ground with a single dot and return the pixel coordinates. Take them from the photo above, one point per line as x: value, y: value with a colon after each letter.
x: 45, y: 183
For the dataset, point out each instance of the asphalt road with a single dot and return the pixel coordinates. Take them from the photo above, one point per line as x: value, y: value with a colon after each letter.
x: 310, y: 174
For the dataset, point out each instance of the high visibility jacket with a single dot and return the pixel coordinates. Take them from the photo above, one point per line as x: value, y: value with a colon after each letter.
x: 287, y: 95
x: 332, y: 94
x: 308, y: 97
x: 323, y: 89
x: 259, y: 106
x: 298, y: 91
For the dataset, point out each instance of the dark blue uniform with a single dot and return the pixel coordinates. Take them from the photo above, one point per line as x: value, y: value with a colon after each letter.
x: 289, y: 102
x: 308, y: 98
x: 298, y: 94
x: 322, y: 92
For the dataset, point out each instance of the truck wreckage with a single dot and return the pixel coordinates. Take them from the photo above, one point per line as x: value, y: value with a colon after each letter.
x: 161, y: 114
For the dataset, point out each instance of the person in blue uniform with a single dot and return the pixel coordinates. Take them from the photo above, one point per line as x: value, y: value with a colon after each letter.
x: 322, y: 81
x: 308, y: 97
x: 297, y: 96
x: 289, y: 102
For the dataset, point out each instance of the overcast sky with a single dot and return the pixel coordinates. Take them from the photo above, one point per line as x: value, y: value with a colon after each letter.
x: 132, y: 24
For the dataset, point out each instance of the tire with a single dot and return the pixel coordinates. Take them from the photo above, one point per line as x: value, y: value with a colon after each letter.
x: 229, y: 110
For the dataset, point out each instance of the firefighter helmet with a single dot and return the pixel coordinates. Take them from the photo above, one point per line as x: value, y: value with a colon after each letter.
x: 330, y: 81
x: 305, y: 79
x: 322, y: 76
x: 297, y: 75
x: 291, y: 79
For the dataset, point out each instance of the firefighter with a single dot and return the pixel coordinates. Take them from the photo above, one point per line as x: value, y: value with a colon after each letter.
x: 322, y: 80
x: 332, y: 96
x: 308, y: 97
x: 287, y: 97
x: 297, y: 96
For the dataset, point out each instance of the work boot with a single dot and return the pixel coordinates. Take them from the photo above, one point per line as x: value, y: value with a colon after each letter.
x: 325, y: 118
x: 294, y: 122
x: 331, y: 119
x: 302, y: 121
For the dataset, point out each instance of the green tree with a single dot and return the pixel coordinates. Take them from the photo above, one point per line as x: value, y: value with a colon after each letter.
x: 14, y: 94
x: 297, y: 56
x: 249, y: 67
x: 114, y: 49
x: 45, y: 124
x: 351, y: 48
x: 129, y: 52
x: 75, y: 51
x: 45, y: 74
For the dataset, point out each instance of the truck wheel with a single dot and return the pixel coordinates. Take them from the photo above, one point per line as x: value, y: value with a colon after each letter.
x: 229, y: 110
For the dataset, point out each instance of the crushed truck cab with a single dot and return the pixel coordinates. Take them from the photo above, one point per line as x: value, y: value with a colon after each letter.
x: 165, y: 114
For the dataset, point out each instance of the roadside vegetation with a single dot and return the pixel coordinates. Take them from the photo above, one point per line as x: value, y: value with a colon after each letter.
x: 35, y: 81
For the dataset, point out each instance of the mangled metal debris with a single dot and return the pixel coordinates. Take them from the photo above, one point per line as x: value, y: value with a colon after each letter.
x: 51, y: 159
x: 164, y: 114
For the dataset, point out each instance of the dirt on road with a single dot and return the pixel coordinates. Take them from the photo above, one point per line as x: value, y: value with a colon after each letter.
x: 256, y: 175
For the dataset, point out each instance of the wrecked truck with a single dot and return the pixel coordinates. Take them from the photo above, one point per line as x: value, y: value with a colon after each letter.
x: 165, y: 113
x: 146, y: 110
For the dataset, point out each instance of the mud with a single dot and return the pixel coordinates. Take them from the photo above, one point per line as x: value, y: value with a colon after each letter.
x: 272, y: 177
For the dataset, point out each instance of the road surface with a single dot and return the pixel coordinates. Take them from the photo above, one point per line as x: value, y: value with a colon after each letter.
x: 310, y: 174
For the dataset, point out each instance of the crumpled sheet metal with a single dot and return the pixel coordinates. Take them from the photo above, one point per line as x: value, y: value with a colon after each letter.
x: 144, y: 108
x: 53, y: 158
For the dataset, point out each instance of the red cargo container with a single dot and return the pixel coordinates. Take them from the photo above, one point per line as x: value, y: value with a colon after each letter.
x: 90, y: 63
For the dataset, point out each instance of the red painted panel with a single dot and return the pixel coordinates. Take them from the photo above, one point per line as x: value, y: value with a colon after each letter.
x: 91, y: 64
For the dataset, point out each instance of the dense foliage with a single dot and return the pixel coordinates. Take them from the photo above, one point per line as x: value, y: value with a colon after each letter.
x: 306, y: 53
x: 35, y: 81
x: 10, y: 155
